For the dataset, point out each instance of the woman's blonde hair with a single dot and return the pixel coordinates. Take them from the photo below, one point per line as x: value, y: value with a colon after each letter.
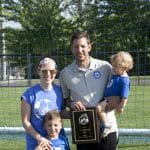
x: 123, y: 59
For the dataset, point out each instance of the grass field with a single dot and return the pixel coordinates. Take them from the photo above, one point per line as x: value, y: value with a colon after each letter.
x: 136, y: 115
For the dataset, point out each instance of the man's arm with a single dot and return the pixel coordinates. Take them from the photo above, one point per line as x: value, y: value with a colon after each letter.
x: 112, y: 103
x: 65, y: 113
x: 68, y: 102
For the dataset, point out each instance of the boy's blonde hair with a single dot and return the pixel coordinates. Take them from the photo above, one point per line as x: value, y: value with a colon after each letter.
x: 122, y: 59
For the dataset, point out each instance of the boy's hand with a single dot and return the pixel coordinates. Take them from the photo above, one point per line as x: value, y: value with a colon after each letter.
x: 43, y: 147
x: 44, y: 144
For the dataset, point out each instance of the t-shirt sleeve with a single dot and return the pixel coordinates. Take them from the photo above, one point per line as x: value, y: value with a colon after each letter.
x: 60, y: 102
x: 26, y: 96
x: 125, y: 87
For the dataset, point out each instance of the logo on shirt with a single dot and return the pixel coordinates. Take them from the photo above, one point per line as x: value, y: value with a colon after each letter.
x: 41, y: 107
x: 110, y: 83
x: 97, y: 74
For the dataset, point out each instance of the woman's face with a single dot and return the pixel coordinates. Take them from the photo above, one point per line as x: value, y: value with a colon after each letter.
x: 47, y: 76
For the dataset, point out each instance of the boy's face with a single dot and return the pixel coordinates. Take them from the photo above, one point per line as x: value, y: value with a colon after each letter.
x: 81, y: 49
x: 53, y: 127
x: 118, y: 70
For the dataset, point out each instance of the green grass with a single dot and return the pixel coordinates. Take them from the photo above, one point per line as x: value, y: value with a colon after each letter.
x: 136, y: 114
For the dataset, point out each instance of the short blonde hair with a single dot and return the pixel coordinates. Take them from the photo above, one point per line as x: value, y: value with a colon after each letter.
x: 123, y: 59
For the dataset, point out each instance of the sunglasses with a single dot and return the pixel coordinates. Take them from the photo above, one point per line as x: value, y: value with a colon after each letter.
x: 51, y: 71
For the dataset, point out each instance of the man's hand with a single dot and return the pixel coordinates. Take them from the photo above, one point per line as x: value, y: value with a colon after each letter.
x: 78, y: 106
x: 101, y: 106
x: 112, y: 103
x: 120, y: 108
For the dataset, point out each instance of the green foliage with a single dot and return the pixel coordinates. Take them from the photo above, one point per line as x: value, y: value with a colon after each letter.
x: 47, y: 26
x: 41, y: 22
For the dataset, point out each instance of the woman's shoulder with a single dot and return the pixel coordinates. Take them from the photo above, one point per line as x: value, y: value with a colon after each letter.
x: 56, y: 87
x: 32, y: 88
x: 36, y: 86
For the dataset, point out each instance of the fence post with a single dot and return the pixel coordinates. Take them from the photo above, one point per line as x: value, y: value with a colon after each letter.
x: 29, y: 69
x: 138, y: 67
x: 2, y: 50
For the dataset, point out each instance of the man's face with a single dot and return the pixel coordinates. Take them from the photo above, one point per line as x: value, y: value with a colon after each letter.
x: 81, y: 49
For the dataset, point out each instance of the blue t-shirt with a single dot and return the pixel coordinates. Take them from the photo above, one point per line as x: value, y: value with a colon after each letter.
x: 60, y: 143
x: 41, y: 102
x: 118, y: 86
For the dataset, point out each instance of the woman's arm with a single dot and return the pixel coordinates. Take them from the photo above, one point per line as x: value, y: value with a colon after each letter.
x: 25, y: 117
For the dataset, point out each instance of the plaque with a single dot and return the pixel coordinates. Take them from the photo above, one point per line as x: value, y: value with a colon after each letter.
x: 84, y: 126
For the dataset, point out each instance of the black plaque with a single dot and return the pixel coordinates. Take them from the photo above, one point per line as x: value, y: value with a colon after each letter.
x: 84, y: 126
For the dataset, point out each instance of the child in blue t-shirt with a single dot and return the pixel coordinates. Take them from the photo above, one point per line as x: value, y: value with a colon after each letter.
x: 118, y: 86
x: 54, y: 125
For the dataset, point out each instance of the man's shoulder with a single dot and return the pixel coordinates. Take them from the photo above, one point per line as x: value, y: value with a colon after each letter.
x: 101, y: 63
x: 67, y: 68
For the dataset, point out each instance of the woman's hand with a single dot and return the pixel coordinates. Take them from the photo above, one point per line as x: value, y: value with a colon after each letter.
x: 44, y: 144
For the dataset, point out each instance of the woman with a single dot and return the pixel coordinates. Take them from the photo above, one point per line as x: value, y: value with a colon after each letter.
x: 38, y: 100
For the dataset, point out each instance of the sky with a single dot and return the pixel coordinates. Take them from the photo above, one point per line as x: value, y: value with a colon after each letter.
x: 12, y: 24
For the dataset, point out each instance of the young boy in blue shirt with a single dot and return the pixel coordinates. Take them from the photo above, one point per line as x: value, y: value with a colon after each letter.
x: 119, y: 86
x: 53, y: 125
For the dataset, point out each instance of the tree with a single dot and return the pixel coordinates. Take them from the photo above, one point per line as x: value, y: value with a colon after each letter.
x: 46, y: 28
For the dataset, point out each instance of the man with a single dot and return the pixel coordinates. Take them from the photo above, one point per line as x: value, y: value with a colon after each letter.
x: 83, y: 83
